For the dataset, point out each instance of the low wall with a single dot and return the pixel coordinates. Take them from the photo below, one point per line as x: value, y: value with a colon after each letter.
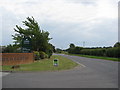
x: 16, y: 58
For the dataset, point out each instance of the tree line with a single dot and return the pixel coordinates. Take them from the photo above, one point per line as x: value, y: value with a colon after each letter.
x: 96, y: 51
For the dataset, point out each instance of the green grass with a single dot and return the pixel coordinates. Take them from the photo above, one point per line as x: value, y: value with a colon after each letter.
x: 96, y: 57
x: 45, y: 65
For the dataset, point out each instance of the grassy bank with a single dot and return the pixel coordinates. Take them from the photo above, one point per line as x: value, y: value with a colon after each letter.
x: 45, y: 65
x: 96, y: 57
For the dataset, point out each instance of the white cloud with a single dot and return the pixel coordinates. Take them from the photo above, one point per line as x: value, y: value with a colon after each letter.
x: 85, y: 17
x: 107, y: 8
x: 63, y: 10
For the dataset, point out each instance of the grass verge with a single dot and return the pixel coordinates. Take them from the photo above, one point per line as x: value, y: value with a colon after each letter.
x: 96, y: 57
x: 44, y: 65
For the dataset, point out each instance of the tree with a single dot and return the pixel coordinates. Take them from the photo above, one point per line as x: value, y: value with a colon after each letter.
x: 77, y: 50
x: 117, y: 44
x: 72, y: 45
x: 39, y: 38
x: 71, y: 48
x: 58, y: 50
x: 11, y: 49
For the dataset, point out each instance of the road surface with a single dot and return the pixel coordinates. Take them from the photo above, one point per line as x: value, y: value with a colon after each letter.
x: 92, y: 73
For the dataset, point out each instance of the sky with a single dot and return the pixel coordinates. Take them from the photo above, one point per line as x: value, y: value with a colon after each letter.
x: 94, y: 22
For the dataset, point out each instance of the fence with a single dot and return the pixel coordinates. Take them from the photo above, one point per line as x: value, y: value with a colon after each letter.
x: 16, y: 58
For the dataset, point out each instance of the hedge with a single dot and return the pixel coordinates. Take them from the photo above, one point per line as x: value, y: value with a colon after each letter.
x: 107, y: 52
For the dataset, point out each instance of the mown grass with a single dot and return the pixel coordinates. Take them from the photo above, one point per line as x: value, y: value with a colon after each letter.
x: 97, y: 57
x: 44, y: 65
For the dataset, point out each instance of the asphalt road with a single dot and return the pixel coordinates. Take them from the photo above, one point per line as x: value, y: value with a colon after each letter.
x: 92, y: 73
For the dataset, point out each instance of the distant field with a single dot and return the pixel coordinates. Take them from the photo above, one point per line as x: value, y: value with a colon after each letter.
x: 45, y: 65
x: 96, y: 57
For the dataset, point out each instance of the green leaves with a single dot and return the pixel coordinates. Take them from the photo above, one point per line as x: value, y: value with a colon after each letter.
x: 117, y: 44
x: 40, y: 38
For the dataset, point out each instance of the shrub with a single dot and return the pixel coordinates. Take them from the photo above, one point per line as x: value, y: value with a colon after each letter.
x: 49, y: 53
x: 42, y: 54
x: 58, y: 50
x: 113, y: 52
x: 94, y: 52
x: 77, y: 50
x: 109, y: 52
x: 36, y: 55
x: 46, y: 56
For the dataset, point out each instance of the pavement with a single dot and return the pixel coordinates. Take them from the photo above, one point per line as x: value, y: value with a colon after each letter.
x: 1, y: 75
x: 92, y: 73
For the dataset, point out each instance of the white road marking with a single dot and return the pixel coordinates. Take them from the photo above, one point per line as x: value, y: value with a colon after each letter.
x: 81, y: 64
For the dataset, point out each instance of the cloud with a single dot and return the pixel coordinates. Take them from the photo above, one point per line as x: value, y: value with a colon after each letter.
x: 8, y: 22
x: 66, y: 20
x: 102, y: 34
x: 63, y: 10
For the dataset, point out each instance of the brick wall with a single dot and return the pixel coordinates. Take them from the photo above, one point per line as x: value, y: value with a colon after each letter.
x: 16, y: 58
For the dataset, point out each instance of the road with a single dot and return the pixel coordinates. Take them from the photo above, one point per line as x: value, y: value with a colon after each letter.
x: 92, y: 73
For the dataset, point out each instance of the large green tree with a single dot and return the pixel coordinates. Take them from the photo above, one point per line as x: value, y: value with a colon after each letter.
x: 40, y: 38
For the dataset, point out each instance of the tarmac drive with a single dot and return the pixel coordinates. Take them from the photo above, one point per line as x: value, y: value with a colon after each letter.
x: 92, y: 73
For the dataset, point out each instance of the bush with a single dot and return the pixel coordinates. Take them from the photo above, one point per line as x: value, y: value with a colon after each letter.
x: 98, y: 51
x: 77, y: 50
x: 46, y: 56
x: 109, y: 52
x: 43, y: 55
x: 113, y: 52
x: 94, y: 52
x: 49, y: 53
x: 58, y: 50
x: 11, y: 49
x: 36, y: 55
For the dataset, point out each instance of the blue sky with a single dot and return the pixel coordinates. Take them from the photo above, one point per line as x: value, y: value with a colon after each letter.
x: 94, y: 22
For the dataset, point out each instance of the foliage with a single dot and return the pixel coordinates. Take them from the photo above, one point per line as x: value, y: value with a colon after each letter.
x: 113, y: 52
x: 117, y: 44
x: 72, y: 45
x: 50, y: 50
x: 71, y: 48
x: 74, y: 49
x: 77, y: 50
x: 96, y: 51
x: 42, y: 55
x: 11, y: 49
x: 58, y: 50
x: 36, y: 55
x: 39, y: 38
x: 49, y: 53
